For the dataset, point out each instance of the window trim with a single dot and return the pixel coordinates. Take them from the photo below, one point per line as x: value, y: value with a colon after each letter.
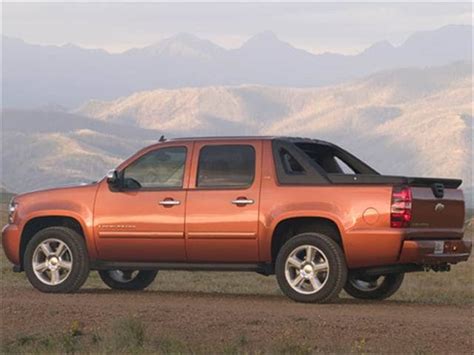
x: 171, y: 188
x: 314, y: 174
x: 290, y: 173
x: 338, y: 161
x: 225, y: 187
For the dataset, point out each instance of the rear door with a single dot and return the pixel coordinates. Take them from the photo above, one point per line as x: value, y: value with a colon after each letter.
x: 223, y: 202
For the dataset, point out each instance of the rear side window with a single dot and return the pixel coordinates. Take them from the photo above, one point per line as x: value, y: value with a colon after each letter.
x: 161, y: 168
x: 226, y: 166
x: 289, y: 163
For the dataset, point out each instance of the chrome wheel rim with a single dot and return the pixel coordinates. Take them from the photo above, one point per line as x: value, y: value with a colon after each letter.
x: 52, y: 261
x: 366, y: 286
x: 307, y: 269
x: 123, y: 276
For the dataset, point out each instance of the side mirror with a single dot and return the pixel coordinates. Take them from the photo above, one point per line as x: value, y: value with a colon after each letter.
x: 112, y: 177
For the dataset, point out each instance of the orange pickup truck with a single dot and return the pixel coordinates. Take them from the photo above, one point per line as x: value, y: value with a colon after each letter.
x: 305, y: 210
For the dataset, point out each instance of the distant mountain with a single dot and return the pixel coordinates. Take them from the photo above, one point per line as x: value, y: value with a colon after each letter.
x: 181, y: 45
x: 67, y: 75
x: 380, y: 118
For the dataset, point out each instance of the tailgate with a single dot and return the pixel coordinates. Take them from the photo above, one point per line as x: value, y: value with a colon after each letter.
x: 443, y: 212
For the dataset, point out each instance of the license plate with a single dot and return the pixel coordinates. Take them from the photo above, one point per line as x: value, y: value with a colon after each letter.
x: 439, y: 247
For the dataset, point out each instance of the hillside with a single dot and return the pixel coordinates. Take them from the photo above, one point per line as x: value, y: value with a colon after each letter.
x: 406, y: 121
x: 47, y: 149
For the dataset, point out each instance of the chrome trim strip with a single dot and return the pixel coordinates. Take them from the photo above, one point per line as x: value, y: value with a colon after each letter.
x: 221, y: 235
x: 147, y: 235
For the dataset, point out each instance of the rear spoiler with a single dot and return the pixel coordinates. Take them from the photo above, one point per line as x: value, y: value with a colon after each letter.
x: 425, y: 182
x: 369, y: 179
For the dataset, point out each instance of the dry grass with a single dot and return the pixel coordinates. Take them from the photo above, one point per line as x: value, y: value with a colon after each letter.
x: 129, y: 336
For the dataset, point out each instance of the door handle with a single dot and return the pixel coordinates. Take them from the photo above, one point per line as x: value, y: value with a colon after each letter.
x: 169, y: 202
x: 242, y: 201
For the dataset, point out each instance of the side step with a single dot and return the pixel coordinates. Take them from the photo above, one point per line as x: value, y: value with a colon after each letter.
x: 388, y: 269
x: 261, y: 268
x: 399, y: 268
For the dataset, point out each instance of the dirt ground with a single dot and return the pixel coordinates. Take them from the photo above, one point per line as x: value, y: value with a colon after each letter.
x: 176, y: 321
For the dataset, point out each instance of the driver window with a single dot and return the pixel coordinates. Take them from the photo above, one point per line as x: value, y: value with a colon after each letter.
x: 161, y: 168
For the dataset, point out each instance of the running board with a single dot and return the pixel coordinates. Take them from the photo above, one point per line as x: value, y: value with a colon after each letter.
x: 388, y: 269
x: 261, y: 268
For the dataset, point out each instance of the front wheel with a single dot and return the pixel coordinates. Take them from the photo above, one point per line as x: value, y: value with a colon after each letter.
x: 311, y: 267
x: 129, y: 280
x: 56, y: 260
x: 374, y: 288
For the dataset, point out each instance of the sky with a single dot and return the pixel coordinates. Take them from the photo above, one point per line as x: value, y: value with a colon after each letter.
x: 317, y: 27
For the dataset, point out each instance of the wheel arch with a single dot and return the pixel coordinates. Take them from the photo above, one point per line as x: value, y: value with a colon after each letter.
x: 38, y: 223
x: 287, y: 228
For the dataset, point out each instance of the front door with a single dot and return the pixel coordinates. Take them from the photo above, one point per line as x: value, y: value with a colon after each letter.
x: 144, y: 221
x: 222, y: 204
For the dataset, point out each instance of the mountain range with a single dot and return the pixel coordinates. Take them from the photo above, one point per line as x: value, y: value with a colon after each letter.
x: 39, y: 75
x: 405, y: 121
x: 379, y: 117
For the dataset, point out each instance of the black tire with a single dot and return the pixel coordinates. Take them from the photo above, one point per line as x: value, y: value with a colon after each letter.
x: 140, y: 281
x: 389, y: 285
x: 79, y: 269
x: 335, y: 278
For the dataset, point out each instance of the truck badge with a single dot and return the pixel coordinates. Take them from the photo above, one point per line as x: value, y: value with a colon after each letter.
x: 439, y: 207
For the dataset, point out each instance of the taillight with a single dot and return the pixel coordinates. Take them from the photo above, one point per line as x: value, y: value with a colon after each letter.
x: 400, y: 213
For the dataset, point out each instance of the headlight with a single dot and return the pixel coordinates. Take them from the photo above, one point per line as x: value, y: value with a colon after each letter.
x: 12, y: 207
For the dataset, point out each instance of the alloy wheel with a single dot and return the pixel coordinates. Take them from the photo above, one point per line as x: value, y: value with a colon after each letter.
x: 307, y: 269
x: 52, y: 261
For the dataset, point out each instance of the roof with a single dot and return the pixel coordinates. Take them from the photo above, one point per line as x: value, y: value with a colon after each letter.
x: 222, y: 138
x: 237, y: 138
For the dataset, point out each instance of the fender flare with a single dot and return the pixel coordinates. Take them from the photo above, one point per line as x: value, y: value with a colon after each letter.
x: 87, y: 231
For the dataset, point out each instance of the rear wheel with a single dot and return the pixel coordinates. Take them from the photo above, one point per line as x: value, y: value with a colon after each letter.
x: 373, y: 288
x: 311, y: 267
x: 127, y: 279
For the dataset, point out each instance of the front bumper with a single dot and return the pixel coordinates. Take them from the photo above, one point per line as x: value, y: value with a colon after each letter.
x: 435, y: 252
x: 11, y: 243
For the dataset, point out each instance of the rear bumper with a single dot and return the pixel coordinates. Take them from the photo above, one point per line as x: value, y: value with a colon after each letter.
x: 428, y: 252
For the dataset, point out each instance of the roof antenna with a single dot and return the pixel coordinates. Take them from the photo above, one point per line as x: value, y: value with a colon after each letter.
x: 162, y: 139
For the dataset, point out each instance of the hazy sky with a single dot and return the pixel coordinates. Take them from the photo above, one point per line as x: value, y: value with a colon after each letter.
x: 317, y: 27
